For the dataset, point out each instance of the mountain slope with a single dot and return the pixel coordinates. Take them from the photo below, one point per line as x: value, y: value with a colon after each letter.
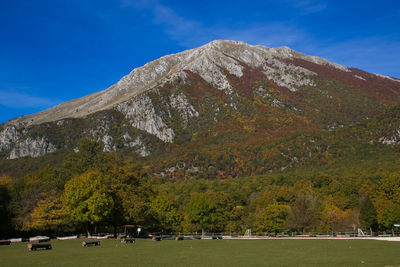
x: 226, y: 99
x: 284, y: 66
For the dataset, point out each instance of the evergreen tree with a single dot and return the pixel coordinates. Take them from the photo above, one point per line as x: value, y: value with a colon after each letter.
x: 5, y: 212
x: 368, y: 215
x: 200, y: 212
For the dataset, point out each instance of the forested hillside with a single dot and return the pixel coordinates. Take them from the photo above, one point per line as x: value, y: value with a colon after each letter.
x: 325, y: 192
x: 224, y: 137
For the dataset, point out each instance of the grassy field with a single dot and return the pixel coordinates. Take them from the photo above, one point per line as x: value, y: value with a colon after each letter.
x: 208, y: 253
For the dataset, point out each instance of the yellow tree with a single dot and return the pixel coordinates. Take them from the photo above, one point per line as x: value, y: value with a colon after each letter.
x: 332, y: 216
x: 48, y: 215
x: 272, y: 218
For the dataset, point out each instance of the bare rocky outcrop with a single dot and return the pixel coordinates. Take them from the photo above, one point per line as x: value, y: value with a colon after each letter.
x: 143, y: 116
x: 137, y: 144
x: 108, y: 144
x: 287, y: 75
x: 184, y: 108
x: 394, y: 139
x: 32, y: 147
x: 8, y: 136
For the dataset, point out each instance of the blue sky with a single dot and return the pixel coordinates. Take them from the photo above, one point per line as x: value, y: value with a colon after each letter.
x: 54, y: 50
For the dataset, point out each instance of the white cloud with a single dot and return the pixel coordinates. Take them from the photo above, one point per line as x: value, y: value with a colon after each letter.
x: 305, y: 7
x: 14, y: 99
x: 269, y: 34
x: 373, y: 54
x: 376, y: 54
x: 190, y: 33
x: 175, y: 26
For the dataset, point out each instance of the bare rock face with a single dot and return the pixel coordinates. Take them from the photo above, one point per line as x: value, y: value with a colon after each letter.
x: 183, y: 106
x: 287, y: 75
x: 7, y: 137
x: 108, y: 144
x: 391, y: 140
x: 32, y: 147
x: 143, y: 116
x: 137, y: 144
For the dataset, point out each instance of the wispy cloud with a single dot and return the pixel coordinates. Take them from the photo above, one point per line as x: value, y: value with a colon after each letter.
x: 190, y: 33
x: 175, y: 26
x: 373, y: 54
x: 308, y: 6
x: 270, y: 34
x: 368, y: 53
x: 15, y: 99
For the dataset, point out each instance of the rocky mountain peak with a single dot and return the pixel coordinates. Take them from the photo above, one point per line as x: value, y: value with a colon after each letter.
x: 206, y: 61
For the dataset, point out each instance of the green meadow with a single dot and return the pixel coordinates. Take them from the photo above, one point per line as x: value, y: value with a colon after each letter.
x: 208, y: 253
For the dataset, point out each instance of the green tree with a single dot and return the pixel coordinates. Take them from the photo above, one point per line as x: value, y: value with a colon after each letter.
x: 165, y: 212
x: 388, y: 214
x: 200, y: 212
x: 368, y: 215
x: 131, y: 191
x: 222, y: 205
x: 273, y: 218
x: 87, y: 200
x: 389, y: 187
x: 237, y: 219
x: 5, y: 209
x: 90, y: 155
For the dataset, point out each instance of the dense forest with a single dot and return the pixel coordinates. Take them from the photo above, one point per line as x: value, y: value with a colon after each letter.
x: 92, y: 190
x: 324, y: 181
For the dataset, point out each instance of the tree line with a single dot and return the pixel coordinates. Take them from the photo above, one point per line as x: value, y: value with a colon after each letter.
x: 96, y: 191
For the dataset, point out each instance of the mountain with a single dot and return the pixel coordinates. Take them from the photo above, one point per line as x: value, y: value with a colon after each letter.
x: 223, y: 109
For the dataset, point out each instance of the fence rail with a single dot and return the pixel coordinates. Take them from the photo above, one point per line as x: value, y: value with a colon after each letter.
x: 247, y: 235
x: 278, y: 235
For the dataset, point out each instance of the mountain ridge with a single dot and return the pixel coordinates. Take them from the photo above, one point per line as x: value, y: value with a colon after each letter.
x: 167, y: 68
